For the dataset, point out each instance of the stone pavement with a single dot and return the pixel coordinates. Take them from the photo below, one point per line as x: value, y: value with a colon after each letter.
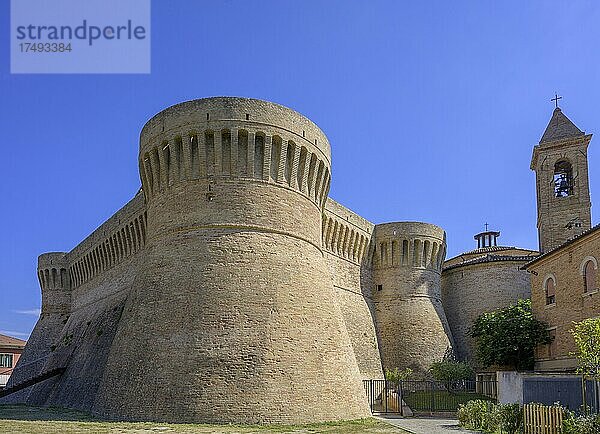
x: 427, y: 425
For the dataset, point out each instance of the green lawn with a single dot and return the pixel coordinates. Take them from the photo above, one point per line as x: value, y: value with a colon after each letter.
x: 443, y: 400
x: 37, y: 420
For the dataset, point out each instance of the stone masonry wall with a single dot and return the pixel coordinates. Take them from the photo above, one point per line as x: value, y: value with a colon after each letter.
x: 346, y: 241
x: 232, y: 257
x: 35, y: 354
x: 473, y: 289
x: 83, y: 347
x: 81, y: 290
x: 410, y: 320
x: 233, y: 279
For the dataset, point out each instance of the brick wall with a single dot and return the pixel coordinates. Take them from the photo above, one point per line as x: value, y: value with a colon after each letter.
x: 572, y: 303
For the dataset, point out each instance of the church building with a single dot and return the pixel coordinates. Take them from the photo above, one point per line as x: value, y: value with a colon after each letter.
x: 491, y: 278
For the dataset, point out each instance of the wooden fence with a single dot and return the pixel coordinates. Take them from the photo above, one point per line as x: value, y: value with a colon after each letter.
x: 542, y: 419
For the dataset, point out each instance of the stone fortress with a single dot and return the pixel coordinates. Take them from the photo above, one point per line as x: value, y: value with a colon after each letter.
x: 231, y: 288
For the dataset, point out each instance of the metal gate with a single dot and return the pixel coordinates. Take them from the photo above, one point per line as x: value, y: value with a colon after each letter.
x: 425, y: 396
x: 384, y: 396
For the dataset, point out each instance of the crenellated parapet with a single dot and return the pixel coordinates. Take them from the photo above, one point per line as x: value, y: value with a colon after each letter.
x: 54, y: 282
x: 343, y: 240
x: 120, y: 239
x: 409, y: 244
x: 345, y: 234
x: 230, y: 138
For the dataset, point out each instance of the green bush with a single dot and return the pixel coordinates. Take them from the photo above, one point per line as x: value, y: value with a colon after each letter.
x: 508, y: 336
x: 396, y: 375
x: 491, y: 418
x: 477, y: 414
x: 449, y: 370
x: 510, y: 418
x: 573, y: 424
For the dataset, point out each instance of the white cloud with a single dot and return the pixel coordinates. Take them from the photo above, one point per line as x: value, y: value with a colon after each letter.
x: 35, y: 312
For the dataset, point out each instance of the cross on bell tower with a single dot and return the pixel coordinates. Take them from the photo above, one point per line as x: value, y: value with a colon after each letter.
x: 555, y: 99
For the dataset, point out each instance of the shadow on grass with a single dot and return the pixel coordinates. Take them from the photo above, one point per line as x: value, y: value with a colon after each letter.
x: 25, y: 412
x: 39, y: 420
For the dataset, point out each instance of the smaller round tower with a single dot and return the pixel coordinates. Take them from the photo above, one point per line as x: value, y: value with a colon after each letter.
x: 54, y: 282
x: 56, y: 307
x: 407, y: 264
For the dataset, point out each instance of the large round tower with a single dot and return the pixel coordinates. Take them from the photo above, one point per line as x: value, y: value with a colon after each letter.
x: 233, y: 316
x: 411, y: 323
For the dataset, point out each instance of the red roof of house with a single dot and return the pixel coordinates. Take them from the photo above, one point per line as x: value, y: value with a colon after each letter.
x: 10, y: 342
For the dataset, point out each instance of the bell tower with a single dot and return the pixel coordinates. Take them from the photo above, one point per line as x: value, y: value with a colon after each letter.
x: 563, y: 195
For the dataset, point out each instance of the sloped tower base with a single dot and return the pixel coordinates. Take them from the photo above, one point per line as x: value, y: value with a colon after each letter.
x: 232, y: 317
x: 260, y: 350
x: 411, y: 322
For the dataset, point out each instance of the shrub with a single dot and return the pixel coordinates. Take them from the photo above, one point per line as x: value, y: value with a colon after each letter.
x: 396, y: 375
x: 449, y: 370
x: 573, y: 424
x: 492, y: 418
x: 477, y: 414
x: 508, y: 336
x: 510, y: 418
x: 587, y: 339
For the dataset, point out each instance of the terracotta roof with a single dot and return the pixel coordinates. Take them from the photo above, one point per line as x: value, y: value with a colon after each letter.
x: 489, y: 258
x: 493, y: 249
x: 566, y: 243
x: 560, y: 127
x: 10, y: 342
x: 489, y: 249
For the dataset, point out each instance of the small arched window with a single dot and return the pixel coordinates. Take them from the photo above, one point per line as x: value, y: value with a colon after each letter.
x: 589, y: 276
x: 550, y: 289
x: 563, y: 179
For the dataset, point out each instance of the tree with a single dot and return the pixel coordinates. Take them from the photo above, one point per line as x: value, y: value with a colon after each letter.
x: 395, y: 376
x: 508, y: 336
x: 450, y: 370
x: 587, y: 340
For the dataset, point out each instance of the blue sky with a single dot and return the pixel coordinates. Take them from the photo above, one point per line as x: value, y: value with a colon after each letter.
x: 432, y: 109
